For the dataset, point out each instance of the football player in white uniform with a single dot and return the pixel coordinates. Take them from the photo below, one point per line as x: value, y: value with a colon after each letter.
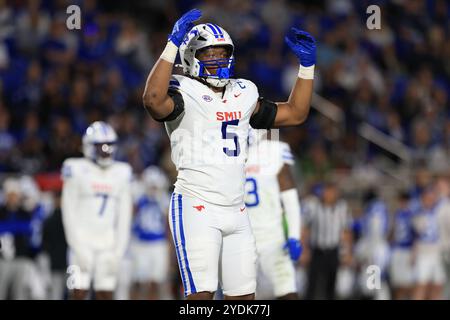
x: 207, y: 114
x: 97, y: 212
x: 270, y: 190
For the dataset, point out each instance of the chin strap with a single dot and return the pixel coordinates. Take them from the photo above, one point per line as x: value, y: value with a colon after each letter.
x: 204, y: 81
x: 212, y: 82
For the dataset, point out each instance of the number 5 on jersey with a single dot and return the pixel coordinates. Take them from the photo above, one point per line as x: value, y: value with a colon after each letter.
x: 231, y: 135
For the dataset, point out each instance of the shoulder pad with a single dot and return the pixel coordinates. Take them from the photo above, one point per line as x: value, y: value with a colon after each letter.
x: 70, y: 167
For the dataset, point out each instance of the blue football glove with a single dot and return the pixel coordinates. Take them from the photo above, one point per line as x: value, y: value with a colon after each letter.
x: 295, y: 248
x: 303, y: 45
x: 183, y: 25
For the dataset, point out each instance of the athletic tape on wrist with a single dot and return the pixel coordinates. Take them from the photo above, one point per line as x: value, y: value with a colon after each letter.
x: 170, y: 52
x: 306, y: 72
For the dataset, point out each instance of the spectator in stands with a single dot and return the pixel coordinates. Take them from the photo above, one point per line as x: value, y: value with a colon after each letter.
x: 7, y: 141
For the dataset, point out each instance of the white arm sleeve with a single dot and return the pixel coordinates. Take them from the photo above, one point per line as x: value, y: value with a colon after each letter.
x: 291, y: 205
x: 124, y: 218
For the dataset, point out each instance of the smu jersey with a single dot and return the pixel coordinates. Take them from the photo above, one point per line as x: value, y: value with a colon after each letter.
x: 93, y: 196
x: 149, y: 222
x: 403, y: 229
x: 262, y: 190
x: 208, y: 139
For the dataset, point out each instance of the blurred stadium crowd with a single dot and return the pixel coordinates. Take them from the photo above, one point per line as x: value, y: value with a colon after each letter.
x: 54, y: 82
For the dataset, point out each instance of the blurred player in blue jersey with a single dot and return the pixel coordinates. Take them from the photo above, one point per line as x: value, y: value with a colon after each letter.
x: 207, y: 114
x: 149, y: 248
x: 429, y: 269
x: 402, y: 237
x: 373, y: 248
x: 270, y: 192
x: 97, y: 212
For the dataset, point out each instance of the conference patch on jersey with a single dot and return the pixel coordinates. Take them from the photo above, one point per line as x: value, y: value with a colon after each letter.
x: 207, y: 98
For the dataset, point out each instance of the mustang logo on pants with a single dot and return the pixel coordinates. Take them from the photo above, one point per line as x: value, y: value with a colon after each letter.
x: 199, y: 208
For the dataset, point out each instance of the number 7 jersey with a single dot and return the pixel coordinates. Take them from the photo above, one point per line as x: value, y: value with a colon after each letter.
x: 209, y: 139
x: 94, y: 201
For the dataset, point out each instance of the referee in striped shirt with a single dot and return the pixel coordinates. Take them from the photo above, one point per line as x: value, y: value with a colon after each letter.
x: 327, y: 236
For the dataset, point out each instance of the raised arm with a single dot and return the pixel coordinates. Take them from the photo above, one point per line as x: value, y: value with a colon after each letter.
x: 295, y: 110
x: 156, y: 99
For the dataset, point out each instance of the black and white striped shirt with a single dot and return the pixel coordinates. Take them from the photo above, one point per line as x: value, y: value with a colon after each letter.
x: 326, y: 223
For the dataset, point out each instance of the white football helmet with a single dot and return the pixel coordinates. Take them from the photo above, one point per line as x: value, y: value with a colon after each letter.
x: 99, y: 143
x: 202, y: 36
x: 154, y: 177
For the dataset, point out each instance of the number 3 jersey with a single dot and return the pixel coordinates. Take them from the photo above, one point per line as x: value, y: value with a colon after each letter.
x: 209, y: 139
x: 96, y: 203
x: 262, y: 190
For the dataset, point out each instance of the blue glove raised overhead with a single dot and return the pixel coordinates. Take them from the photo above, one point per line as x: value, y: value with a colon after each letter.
x: 295, y: 248
x: 183, y: 25
x: 303, y: 45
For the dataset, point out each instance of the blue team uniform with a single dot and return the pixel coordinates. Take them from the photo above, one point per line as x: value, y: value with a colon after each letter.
x: 149, y: 223
x: 403, y: 229
x: 149, y: 248
x: 401, y: 269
